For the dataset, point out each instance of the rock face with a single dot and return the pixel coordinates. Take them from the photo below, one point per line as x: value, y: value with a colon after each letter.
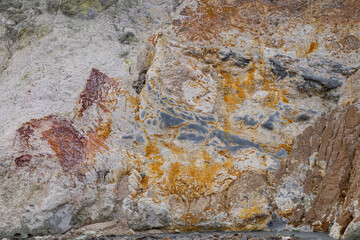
x: 195, y: 115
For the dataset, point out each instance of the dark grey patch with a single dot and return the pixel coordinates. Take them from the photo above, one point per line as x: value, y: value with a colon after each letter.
x: 269, y: 124
x: 156, y: 93
x: 148, y: 122
x: 198, y: 128
x: 169, y: 100
x: 232, y: 142
x: 241, y: 61
x: 302, y: 117
x: 208, y: 118
x: 312, y: 111
x: 142, y: 114
x: 332, y: 66
x: 149, y: 87
x: 238, y: 60
x: 31, y: 205
x: 52, y: 6
x: 128, y: 137
x: 91, y: 14
x: 225, y: 56
x: 140, y: 139
x: 124, y: 54
x: 279, y: 65
x: 127, y: 38
x: 247, y: 120
x: 167, y: 120
x: 278, y: 69
x: 139, y: 84
x: 326, y: 83
x: 203, y: 123
x: 191, y: 137
x: 154, y: 122
x: 309, y: 87
x: 187, y: 117
x: 287, y: 107
x: 171, y: 110
x: 332, y: 97
x: 281, y: 153
x: 276, y: 223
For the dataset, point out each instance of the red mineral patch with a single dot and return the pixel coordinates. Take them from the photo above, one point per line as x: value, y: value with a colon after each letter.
x: 63, y: 138
x: 66, y: 141
x: 23, y: 160
x: 69, y: 145
x: 25, y: 133
x: 96, y: 90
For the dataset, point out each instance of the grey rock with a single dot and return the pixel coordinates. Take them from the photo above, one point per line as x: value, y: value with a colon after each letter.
x: 247, y: 120
x: 140, y: 83
x: 269, y: 123
x: 303, y: 117
x: 352, y: 231
x: 167, y: 120
x: 240, y: 61
x: 145, y: 214
x: 326, y: 83
x: 127, y: 38
x: 52, y: 6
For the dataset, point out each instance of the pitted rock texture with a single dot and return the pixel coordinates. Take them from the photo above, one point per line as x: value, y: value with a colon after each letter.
x: 121, y: 117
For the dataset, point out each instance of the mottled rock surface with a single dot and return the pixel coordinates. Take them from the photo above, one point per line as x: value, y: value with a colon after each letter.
x: 119, y: 117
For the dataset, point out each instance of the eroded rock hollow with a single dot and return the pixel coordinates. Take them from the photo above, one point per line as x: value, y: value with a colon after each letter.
x: 121, y: 117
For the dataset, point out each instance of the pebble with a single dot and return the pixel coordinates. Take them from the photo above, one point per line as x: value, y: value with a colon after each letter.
x: 216, y: 235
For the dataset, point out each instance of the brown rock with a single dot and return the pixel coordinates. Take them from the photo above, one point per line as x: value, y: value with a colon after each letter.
x: 334, y: 179
x: 351, y: 42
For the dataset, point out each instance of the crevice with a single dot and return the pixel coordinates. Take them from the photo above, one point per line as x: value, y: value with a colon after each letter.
x: 140, y: 83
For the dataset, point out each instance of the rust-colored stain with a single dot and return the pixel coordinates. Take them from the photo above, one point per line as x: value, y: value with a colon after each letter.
x: 248, y: 213
x: 188, y: 182
x: 70, y: 146
x: 96, y: 138
x: 23, y: 160
x: 210, y: 18
x: 155, y: 39
x: 25, y: 133
x: 66, y: 141
x: 155, y: 168
x: 306, y: 51
x: 63, y: 138
x: 96, y: 90
x: 236, y: 89
x: 313, y: 46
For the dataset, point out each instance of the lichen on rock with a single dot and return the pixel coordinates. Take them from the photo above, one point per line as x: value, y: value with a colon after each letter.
x: 84, y: 8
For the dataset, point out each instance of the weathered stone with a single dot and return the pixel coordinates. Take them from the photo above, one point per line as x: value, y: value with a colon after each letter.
x: 127, y: 38
x: 146, y: 214
x: 216, y: 115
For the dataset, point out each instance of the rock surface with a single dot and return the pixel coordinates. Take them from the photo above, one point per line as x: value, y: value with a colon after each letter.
x: 121, y: 117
